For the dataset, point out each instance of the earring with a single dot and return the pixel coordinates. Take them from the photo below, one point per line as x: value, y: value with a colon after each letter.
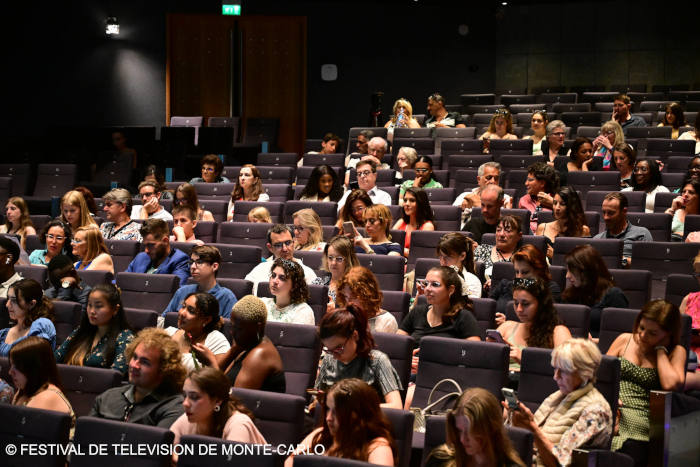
x: 258, y: 335
x: 217, y: 408
x: 7, y: 261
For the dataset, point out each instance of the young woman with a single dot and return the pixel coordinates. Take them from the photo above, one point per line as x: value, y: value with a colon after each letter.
x: 17, y: 220
x: 353, y: 209
x: 323, y: 185
x: 538, y: 322
x: 338, y: 258
x: 509, y: 233
x: 647, y: 178
x: 624, y: 157
x: 590, y: 283
x: 538, y: 124
x: 581, y: 155
x: 693, y: 135
x: 198, y: 322
x: 423, y: 168
x: 349, y: 352
x: 56, y: 235
x: 33, y: 313
x: 377, y: 221
x: 569, y: 219
x: 354, y: 426
x: 500, y: 127
x: 651, y: 357
x: 289, y: 294
x: 476, y: 435
x: 417, y: 215
x: 308, y: 232
x: 186, y: 195
x: 455, y: 250
x: 691, y: 306
x: 102, y: 335
x: 74, y: 211
x: 248, y: 188
x: 90, y: 249
x: 674, y: 117
x: 610, y: 135
x: 687, y: 203
x: 359, y: 288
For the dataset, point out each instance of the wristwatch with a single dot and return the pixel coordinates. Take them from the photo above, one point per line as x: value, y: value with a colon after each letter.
x: 66, y: 284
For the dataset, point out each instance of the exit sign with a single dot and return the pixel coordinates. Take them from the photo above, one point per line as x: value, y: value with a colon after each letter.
x: 231, y: 10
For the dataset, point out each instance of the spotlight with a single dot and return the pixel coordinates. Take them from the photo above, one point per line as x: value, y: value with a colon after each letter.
x: 112, y: 26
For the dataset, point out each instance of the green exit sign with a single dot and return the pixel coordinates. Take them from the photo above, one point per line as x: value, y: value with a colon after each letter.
x: 232, y: 10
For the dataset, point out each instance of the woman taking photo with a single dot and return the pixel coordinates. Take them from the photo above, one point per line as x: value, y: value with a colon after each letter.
x: 417, y: 215
x: 687, y: 203
x: 101, y: 338
x: 538, y: 124
x: 308, y: 233
x: 423, y: 168
x: 187, y: 195
x: 377, y: 222
x: 455, y: 250
x: 476, y: 435
x: 253, y: 361
x: 651, y: 358
x: 349, y: 352
x: 500, y: 127
x: 33, y: 313
x: 249, y: 187
x: 576, y: 415
x: 354, y: 426
x: 538, y: 322
x: 647, y: 178
x: 553, y: 146
x: 90, y: 249
x: 674, y: 117
x: 353, y: 210
x: 509, y: 233
x: 360, y: 289
x: 610, y: 135
x: 289, y: 294
x: 338, y: 257
x: 323, y: 185
x: 569, y: 219
x: 56, y: 235
x: 17, y: 221
x: 591, y: 284
x: 74, y: 211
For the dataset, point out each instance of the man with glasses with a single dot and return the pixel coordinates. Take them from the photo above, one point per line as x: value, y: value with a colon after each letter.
x: 280, y: 242
x: 119, y: 226
x: 9, y: 254
x: 150, y: 197
x: 489, y: 173
x: 204, y: 266
x: 616, y: 225
x: 621, y: 113
x: 159, y: 257
x: 367, y: 180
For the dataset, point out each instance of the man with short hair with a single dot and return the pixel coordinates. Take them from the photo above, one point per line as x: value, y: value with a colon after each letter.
x: 616, y: 225
x: 66, y: 284
x: 439, y: 116
x: 367, y: 180
x: 491, y: 204
x: 489, y: 173
x: 154, y: 394
x: 159, y: 257
x: 204, y: 266
x: 9, y: 254
x: 118, y: 205
x: 184, y: 222
x: 280, y: 242
x: 621, y: 113
x: 150, y: 197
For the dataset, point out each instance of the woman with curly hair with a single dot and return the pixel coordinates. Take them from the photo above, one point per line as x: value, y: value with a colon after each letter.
x: 74, y: 211
x: 417, y: 215
x: 102, y: 335
x: 56, y: 235
x: 186, y: 195
x: 538, y: 322
x: 360, y: 289
x: 90, y: 249
x: 289, y: 294
x: 569, y: 219
x: 673, y: 117
x: 323, y: 185
x: 591, y: 284
x: 17, y: 221
x: 338, y: 258
x: 647, y: 178
x: 354, y: 426
x: 249, y: 187
x: 353, y: 210
x: 32, y: 312
x: 509, y: 235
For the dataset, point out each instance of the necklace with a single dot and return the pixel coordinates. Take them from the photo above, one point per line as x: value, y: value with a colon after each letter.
x: 500, y: 255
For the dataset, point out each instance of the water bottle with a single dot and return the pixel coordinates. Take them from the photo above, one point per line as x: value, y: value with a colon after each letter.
x: 401, y: 119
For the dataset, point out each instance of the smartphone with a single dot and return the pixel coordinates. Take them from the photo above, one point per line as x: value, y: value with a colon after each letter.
x: 314, y: 392
x: 347, y: 228
x: 511, y: 398
x: 495, y: 335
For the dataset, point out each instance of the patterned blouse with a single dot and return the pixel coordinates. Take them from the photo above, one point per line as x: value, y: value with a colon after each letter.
x: 593, y: 429
x: 96, y: 357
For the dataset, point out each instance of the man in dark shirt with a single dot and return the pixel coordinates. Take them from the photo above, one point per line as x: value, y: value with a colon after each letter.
x: 154, y: 393
x: 439, y: 116
x: 617, y: 225
x: 491, y: 204
x: 621, y: 113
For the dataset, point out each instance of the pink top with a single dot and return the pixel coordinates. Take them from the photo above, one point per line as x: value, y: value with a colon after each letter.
x: 692, y: 309
x: 526, y: 202
x: 239, y: 427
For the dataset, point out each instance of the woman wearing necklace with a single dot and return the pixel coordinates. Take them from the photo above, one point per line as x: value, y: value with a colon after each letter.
x: 509, y: 233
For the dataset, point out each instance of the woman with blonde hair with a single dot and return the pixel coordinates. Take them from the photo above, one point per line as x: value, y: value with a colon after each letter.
x: 604, y: 146
x: 17, y: 220
x: 248, y: 187
x: 308, y: 233
x: 500, y: 127
x: 259, y: 214
x: 402, y: 116
x: 90, y: 249
x: 185, y: 194
x: 74, y: 210
x: 377, y: 224
x: 338, y: 258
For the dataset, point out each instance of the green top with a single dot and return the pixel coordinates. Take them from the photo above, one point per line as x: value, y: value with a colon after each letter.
x: 636, y: 383
x: 409, y: 183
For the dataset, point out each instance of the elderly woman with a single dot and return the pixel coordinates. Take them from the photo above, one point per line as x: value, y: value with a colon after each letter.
x: 604, y: 144
x: 576, y: 415
x: 553, y: 146
x: 538, y: 124
x: 308, y: 233
x: 119, y: 226
x: 693, y: 135
x: 674, y: 117
x: 359, y: 288
x: 500, y: 127
x: 211, y: 170
x: 509, y: 233
x: 377, y: 224
x: 338, y: 258
x: 405, y: 159
x: 647, y: 178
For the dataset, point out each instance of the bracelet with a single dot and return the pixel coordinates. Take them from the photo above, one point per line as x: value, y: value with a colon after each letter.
x: 661, y: 347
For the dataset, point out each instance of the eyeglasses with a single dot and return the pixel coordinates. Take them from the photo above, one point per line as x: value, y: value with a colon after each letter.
x: 280, y: 245
x: 197, y: 262
x: 299, y: 228
x: 422, y: 171
x: 336, y: 350
x: 337, y: 259
x: 208, y: 169
x: 147, y: 194
x: 58, y: 238
x: 76, y: 241
x: 364, y: 173
x: 371, y: 220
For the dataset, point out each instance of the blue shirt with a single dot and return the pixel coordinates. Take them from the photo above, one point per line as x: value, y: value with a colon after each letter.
x: 176, y: 263
x: 41, y: 327
x: 225, y: 297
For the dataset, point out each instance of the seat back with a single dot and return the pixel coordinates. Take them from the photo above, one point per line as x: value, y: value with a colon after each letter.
x: 237, y: 260
x: 279, y: 417
x: 536, y: 372
x: 278, y: 192
x: 141, y: 318
x: 239, y: 287
x: 38, y: 273
x: 510, y: 146
x: 149, y: 291
x: 447, y: 217
x: 66, y: 318
x: 244, y: 233
x: 636, y: 284
x: 613, y: 322
x: 387, y: 269
x: 584, y: 182
x: 216, y: 191
x: 396, y: 302
x: 312, y: 259
x: 206, y: 231
x: 122, y: 253
x: 658, y: 224
x: 81, y: 384
x: 328, y: 212
x: 664, y: 258
x: 242, y: 208
x: 444, y: 196
x: 334, y: 160
x: 93, y: 277
x: 609, y: 249
x: 692, y: 224
x: 678, y: 286
x: 485, y: 313
x: 399, y: 349
x: 206, y: 451
x: 636, y: 200
x: 424, y: 244
x: 309, y: 460
x: 402, y: 430
x: 664, y: 148
x: 20, y: 174
x: 52, y: 179
x: 300, y: 347
x: 284, y: 159
x: 575, y: 317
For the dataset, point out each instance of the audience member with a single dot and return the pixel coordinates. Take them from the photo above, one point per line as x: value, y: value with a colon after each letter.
x: 402, y: 117
x: 159, y: 257
x: 154, y: 393
x: 439, y: 116
x: 353, y: 209
x: 610, y: 135
x: 253, y: 361
x: 500, y: 127
x: 118, y: 205
x: 673, y: 117
x: 581, y: 155
x: 338, y: 258
x: 576, y: 415
x: 205, y: 261
x: 308, y: 232
x: 360, y: 289
x: 153, y: 174
x: 17, y: 220
x: 150, y: 193
x: 32, y: 314
x: 56, y: 235
x: 553, y: 145
x: 66, y: 284
x: 362, y: 146
x: 212, y: 166
x: 538, y: 124
x: 330, y: 144
x: 74, y: 211
x: 693, y: 135
x: 90, y: 250
x: 538, y: 323
x: 616, y: 225
x: 569, y: 219
x: 186, y: 195
x: 122, y: 148
x: 376, y: 148
x: 323, y: 185
x: 647, y: 178
x: 289, y: 294
x: 377, y: 224
x: 367, y: 180
x: 691, y: 306
x: 651, y: 358
x: 488, y: 173
x: 590, y: 283
x: 259, y: 214
x: 693, y: 170
x: 509, y: 234
x: 687, y: 203
x: 103, y: 334
x: 541, y: 184
x: 249, y: 187
x: 423, y: 168
x: 405, y: 159
x: 621, y: 113
x: 184, y: 223
x: 89, y: 199
x: 455, y: 250
x: 624, y: 157
x: 417, y: 215
x: 9, y: 250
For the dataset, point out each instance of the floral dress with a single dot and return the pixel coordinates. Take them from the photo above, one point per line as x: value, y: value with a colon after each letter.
x: 96, y: 356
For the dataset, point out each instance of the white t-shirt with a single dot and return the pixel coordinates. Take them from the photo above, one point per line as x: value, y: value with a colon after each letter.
x: 261, y: 273
x: 296, y: 313
x: 215, y: 341
x: 375, y: 194
x: 651, y: 196
x: 160, y: 214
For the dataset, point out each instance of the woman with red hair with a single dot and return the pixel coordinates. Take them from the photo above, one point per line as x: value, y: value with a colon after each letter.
x: 360, y: 289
